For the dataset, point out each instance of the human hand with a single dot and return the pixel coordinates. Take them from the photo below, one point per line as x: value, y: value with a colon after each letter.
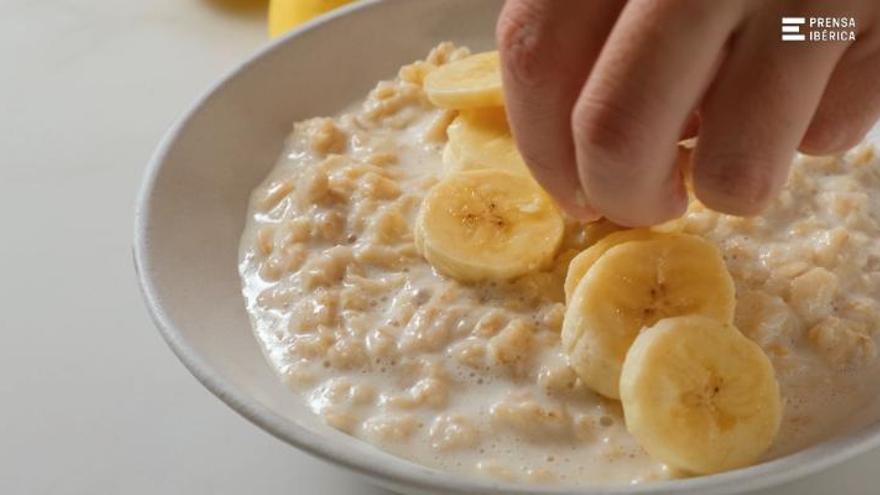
x: 599, y: 92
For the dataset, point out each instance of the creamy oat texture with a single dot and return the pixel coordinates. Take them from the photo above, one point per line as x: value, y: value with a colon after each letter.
x: 471, y: 378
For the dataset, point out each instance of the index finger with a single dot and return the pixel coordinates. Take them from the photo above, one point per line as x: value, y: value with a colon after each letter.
x: 547, y: 49
x: 653, y: 71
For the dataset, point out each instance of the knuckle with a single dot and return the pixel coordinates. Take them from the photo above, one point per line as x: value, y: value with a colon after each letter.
x: 522, y: 41
x: 656, y: 15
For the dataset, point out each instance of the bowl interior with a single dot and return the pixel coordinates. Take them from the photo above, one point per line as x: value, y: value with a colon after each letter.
x: 192, y: 211
x: 193, y: 207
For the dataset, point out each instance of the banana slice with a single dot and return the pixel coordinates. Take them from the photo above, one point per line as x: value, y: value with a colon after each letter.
x: 287, y: 14
x: 472, y: 82
x: 481, y: 139
x: 670, y: 226
x: 596, y: 231
x: 632, y: 286
x: 579, y: 265
x: 488, y: 224
x: 700, y: 396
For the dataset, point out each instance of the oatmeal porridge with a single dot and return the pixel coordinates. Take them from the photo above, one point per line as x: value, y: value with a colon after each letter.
x: 470, y: 375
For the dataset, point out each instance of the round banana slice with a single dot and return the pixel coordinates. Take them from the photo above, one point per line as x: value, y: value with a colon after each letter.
x: 472, y: 82
x: 481, y: 139
x: 488, y: 224
x: 700, y: 396
x: 581, y: 263
x: 597, y: 230
x: 632, y: 286
x: 287, y: 14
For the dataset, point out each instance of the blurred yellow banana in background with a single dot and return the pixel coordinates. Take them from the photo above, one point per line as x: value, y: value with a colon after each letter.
x: 287, y: 14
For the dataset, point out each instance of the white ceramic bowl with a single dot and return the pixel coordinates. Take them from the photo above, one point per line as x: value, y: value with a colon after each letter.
x: 192, y: 209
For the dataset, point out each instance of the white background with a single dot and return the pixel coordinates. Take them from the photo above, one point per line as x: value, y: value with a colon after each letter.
x: 91, y: 400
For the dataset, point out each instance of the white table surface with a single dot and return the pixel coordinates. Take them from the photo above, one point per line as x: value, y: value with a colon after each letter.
x: 91, y: 399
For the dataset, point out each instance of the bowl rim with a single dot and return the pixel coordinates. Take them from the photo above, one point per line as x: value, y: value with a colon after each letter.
x: 404, y: 473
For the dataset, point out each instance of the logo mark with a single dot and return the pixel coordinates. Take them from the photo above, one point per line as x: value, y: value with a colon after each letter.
x: 791, y: 28
x: 820, y: 29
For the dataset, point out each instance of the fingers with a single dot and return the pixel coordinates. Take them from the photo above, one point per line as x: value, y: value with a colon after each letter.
x: 849, y: 107
x: 657, y: 62
x: 691, y: 127
x: 547, y: 49
x: 755, y: 115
